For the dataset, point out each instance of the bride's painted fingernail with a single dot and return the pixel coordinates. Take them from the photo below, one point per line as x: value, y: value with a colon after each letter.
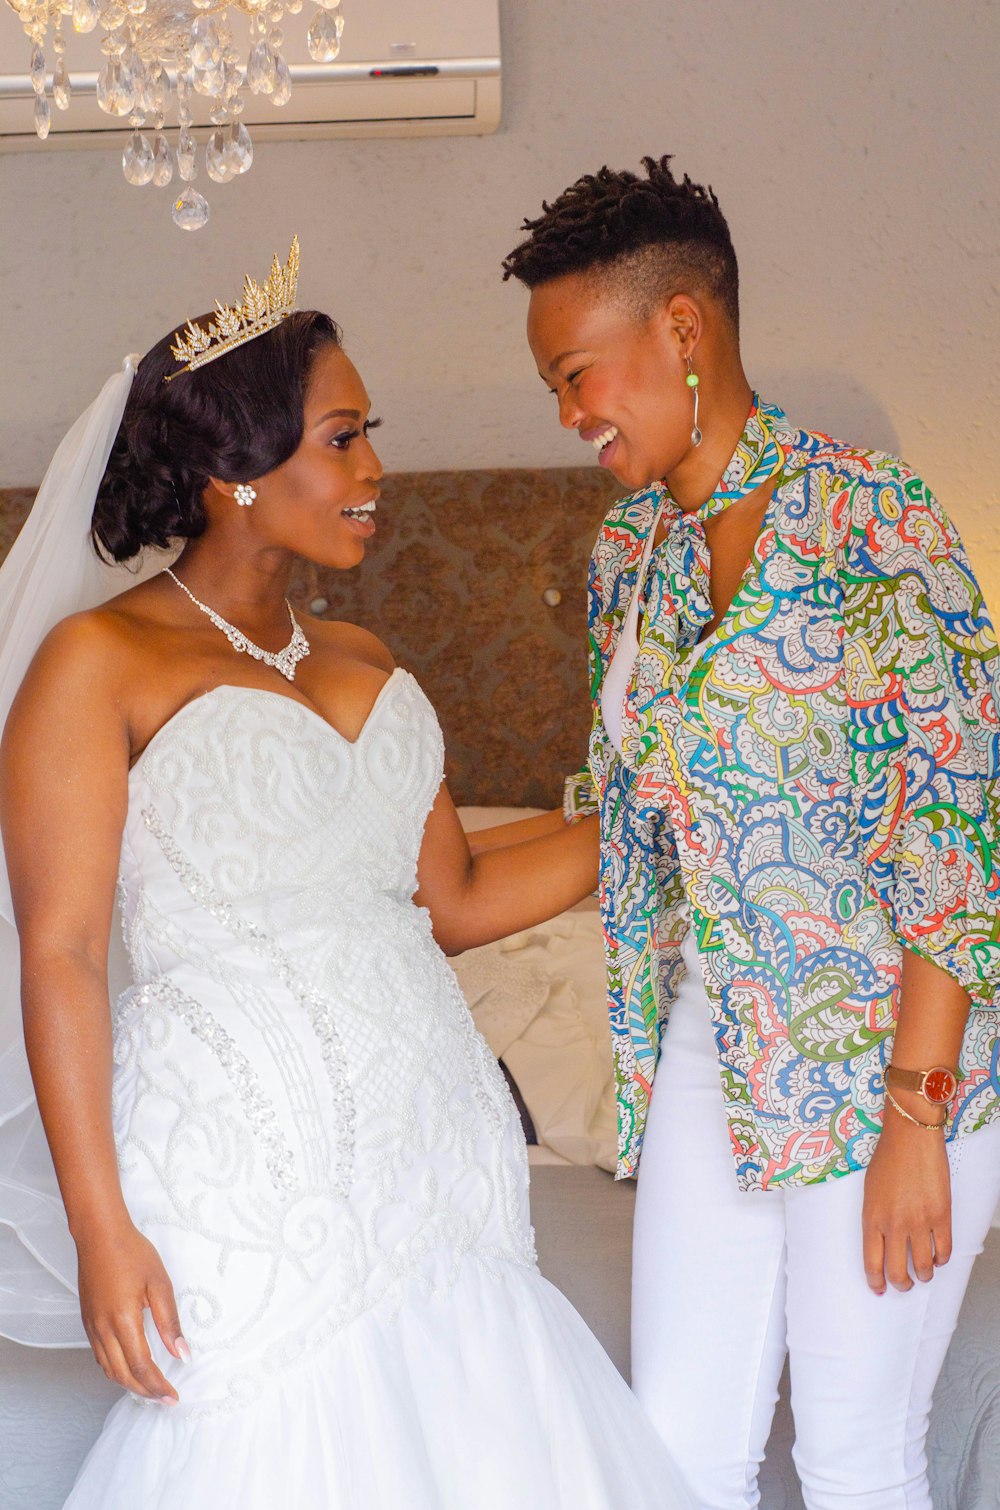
x: 183, y: 1351
x: 167, y: 1400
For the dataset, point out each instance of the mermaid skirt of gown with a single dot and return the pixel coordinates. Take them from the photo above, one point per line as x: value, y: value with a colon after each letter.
x: 325, y: 1155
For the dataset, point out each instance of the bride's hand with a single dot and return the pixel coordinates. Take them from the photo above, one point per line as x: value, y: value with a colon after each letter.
x: 121, y: 1274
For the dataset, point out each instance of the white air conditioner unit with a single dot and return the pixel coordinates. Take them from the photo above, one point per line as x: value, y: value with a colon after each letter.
x: 405, y: 69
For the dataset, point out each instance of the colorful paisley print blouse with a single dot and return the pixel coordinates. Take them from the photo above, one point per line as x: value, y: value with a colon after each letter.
x: 818, y: 790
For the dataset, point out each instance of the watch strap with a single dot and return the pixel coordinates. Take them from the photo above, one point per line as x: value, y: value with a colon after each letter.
x: 938, y: 1085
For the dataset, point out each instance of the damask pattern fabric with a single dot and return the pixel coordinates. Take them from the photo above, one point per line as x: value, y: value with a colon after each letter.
x: 817, y: 788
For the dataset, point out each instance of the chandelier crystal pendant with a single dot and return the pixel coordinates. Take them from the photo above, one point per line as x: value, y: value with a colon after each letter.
x: 158, y: 55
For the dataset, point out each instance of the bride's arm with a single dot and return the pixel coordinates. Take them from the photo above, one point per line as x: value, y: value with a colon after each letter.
x: 476, y: 898
x: 63, y: 796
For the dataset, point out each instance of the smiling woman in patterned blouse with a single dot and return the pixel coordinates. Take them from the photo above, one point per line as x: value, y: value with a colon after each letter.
x: 795, y: 753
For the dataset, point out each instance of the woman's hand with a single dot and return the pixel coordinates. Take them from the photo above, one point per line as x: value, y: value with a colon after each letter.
x: 907, y: 1203
x: 121, y: 1274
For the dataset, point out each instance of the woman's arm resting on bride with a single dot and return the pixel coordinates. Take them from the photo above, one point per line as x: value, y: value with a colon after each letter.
x: 63, y: 798
x: 474, y: 898
x: 502, y: 835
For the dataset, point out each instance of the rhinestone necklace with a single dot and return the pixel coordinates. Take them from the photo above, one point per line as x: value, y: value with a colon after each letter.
x: 284, y: 661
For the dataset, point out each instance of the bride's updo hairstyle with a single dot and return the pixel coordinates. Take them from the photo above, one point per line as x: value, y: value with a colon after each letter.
x: 235, y: 418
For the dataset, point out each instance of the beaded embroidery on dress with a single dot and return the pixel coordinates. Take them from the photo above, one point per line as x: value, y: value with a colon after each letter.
x: 325, y: 1154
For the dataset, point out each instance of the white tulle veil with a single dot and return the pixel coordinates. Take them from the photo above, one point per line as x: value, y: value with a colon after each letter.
x: 52, y: 570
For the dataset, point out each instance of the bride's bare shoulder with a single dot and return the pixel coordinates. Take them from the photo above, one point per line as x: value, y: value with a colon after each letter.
x: 87, y: 657
x: 69, y: 703
x: 117, y: 625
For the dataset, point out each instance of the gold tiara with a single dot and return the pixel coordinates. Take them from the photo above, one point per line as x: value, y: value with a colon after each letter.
x: 264, y: 306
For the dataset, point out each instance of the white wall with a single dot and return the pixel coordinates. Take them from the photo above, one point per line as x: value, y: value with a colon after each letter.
x: 852, y: 146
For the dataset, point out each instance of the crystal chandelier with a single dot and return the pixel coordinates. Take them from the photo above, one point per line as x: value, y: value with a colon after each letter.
x: 158, y: 54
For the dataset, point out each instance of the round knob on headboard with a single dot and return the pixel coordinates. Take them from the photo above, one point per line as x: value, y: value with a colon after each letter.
x: 552, y: 597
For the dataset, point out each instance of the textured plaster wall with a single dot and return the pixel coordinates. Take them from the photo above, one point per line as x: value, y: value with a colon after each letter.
x: 852, y: 146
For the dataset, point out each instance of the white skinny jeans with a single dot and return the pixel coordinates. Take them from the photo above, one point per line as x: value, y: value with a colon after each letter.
x: 725, y: 1283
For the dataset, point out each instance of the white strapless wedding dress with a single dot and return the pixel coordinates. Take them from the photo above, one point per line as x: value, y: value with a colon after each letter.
x: 325, y: 1154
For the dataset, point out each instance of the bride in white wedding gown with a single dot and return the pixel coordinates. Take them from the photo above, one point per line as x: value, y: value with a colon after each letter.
x: 295, y: 1178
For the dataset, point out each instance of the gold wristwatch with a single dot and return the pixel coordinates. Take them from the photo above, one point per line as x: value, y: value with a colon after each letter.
x: 938, y: 1085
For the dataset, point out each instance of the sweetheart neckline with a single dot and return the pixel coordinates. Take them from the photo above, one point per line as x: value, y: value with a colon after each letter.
x: 293, y: 702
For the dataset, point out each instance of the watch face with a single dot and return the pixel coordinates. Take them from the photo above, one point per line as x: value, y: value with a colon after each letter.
x: 940, y: 1086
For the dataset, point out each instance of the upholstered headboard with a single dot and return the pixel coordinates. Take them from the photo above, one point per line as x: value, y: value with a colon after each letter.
x: 477, y: 582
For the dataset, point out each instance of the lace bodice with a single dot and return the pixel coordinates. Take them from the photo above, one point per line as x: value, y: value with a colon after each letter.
x: 295, y: 1054
x: 285, y: 819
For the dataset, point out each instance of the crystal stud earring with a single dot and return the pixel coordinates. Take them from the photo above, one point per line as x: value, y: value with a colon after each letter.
x: 692, y: 382
x: 245, y: 494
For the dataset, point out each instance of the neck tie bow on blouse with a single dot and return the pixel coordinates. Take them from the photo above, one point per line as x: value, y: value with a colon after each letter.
x: 676, y: 600
x: 676, y: 591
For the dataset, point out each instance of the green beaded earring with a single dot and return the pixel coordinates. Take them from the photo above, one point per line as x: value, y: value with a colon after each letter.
x: 692, y: 382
